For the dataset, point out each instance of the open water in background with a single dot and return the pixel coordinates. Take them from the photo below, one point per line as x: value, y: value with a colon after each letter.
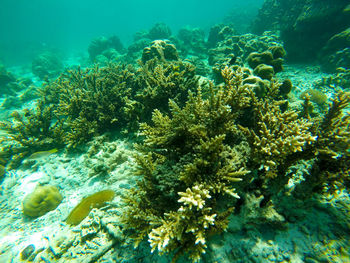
x: 26, y: 26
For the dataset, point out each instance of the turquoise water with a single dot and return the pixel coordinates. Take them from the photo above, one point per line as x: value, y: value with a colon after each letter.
x: 27, y: 26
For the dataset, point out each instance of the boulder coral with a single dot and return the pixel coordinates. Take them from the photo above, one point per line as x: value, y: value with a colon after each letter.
x: 42, y: 200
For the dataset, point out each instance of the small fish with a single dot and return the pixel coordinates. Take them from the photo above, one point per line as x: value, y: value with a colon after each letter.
x: 346, y: 9
x: 41, y: 154
x: 233, y: 60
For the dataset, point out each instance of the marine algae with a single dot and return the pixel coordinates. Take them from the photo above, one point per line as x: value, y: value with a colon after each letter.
x: 83, y: 209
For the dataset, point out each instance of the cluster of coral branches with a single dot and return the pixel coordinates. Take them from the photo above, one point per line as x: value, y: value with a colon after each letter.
x: 202, y: 147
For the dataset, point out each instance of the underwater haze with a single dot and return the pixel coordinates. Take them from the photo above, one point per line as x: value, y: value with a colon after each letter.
x: 26, y: 26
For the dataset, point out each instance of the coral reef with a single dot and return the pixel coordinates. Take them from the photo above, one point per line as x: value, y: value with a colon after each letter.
x: 158, y: 31
x: 330, y: 152
x: 31, y: 131
x: 340, y: 80
x: 92, y: 101
x: 315, y: 96
x: 176, y: 203
x: 219, y: 33
x: 15, y: 90
x: 159, y: 81
x: 103, y: 47
x: 235, y: 49
x: 160, y: 49
x: 305, y: 26
x: 242, y: 45
x: 47, y: 65
x: 193, y: 41
x: 277, y: 135
x: 333, y: 134
x: 272, y: 57
x: 190, y: 158
x: 42, y: 200
x: 336, y: 52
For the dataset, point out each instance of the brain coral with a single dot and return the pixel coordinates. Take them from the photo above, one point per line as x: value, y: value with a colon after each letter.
x: 42, y: 200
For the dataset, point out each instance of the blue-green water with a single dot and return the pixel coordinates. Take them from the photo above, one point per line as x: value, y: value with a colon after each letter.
x: 26, y: 26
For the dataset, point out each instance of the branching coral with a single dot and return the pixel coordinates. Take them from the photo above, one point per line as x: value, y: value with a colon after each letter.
x: 188, y: 177
x: 94, y: 100
x: 116, y: 97
x: 34, y: 130
x: 277, y: 134
x: 158, y: 81
x: 334, y: 131
x: 332, y: 148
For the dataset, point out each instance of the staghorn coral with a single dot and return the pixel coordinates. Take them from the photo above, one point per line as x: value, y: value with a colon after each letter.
x: 277, y: 134
x: 94, y: 100
x: 157, y: 82
x: 334, y: 133
x: 188, y: 164
x: 35, y: 130
x: 330, y: 152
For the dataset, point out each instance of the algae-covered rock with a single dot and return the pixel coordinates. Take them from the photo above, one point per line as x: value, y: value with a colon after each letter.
x: 305, y: 26
x: 161, y: 49
x: 105, y: 46
x: 264, y: 71
x: 336, y: 53
x: 42, y: 200
x: 47, y: 65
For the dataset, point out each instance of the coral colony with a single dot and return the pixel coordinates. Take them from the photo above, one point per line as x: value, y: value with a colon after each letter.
x: 218, y: 136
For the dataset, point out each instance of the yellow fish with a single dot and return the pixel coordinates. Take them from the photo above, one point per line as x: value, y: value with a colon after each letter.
x: 347, y: 8
x: 41, y: 154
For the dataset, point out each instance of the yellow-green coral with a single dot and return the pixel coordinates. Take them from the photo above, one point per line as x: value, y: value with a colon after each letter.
x: 31, y: 131
x: 193, y: 159
x: 334, y: 131
x: 42, y: 200
x: 277, y: 135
